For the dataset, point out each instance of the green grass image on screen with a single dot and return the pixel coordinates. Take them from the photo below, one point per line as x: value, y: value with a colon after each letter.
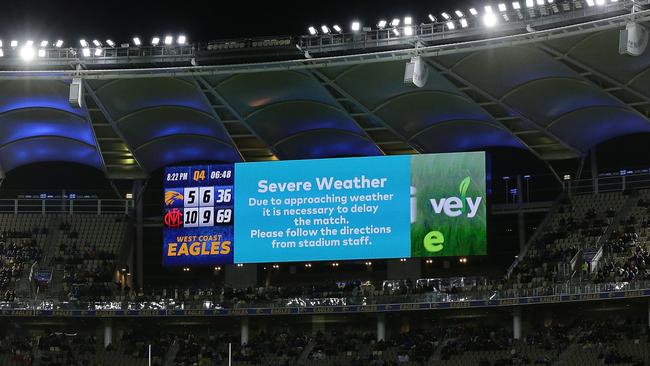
x: 457, y: 176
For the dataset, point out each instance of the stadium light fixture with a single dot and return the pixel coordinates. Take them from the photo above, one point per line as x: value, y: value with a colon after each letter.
x: 473, y: 11
x: 58, y: 43
x: 83, y: 43
x: 530, y: 3
x: 382, y: 24
x: 516, y: 5
x: 98, y: 51
x: 459, y: 13
x: 408, y: 20
x: 408, y: 31
x: 0, y: 43
x: 337, y: 28
x: 446, y: 16
x: 600, y: 2
x: 110, y: 43
x: 85, y: 52
x: 356, y: 26
x: 155, y: 41
x: 312, y: 31
x: 97, y: 43
x: 41, y: 52
x: 136, y: 41
x: 29, y: 43
x: 181, y: 39
x: 325, y: 29
x: 488, y: 9
x: 396, y: 32
x: 2, y: 53
x: 502, y: 7
x: 27, y: 52
x: 394, y: 22
x: 490, y: 20
x: 590, y: 2
x: 432, y: 18
x: 450, y: 25
x: 463, y: 23
x: 169, y: 40
x: 43, y: 43
x: 14, y: 44
x: 540, y: 2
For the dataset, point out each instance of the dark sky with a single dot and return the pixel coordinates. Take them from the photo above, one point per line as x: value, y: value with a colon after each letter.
x: 199, y: 19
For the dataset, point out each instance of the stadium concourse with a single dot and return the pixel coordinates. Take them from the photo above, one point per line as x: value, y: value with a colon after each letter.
x: 555, y: 93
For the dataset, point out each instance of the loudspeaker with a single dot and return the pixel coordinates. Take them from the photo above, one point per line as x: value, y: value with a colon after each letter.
x: 633, y: 39
x: 76, y: 93
x: 416, y: 72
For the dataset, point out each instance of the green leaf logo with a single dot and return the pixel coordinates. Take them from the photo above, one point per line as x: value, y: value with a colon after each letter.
x: 464, y: 184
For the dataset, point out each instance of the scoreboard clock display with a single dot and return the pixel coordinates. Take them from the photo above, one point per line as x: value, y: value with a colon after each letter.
x: 198, y: 214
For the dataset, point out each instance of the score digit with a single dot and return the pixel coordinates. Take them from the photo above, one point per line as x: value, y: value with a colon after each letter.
x: 224, y: 195
x: 224, y: 216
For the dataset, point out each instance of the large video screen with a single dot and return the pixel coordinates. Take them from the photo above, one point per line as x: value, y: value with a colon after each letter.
x: 326, y: 209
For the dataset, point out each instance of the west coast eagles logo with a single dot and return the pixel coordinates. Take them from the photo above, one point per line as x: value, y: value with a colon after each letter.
x: 171, y: 197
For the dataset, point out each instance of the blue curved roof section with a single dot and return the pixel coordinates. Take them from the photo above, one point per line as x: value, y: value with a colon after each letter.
x: 462, y: 135
x: 183, y: 148
x: 282, y: 120
x: 153, y: 123
x: 588, y: 127
x: 26, y: 123
x: 124, y: 96
x: 310, y: 145
x: 20, y: 94
x: 497, y: 71
x: 47, y: 149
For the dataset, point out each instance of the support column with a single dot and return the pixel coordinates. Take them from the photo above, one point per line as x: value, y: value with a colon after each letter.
x: 108, y: 332
x: 397, y: 270
x: 516, y: 323
x: 244, y: 330
x: 241, y: 276
x: 139, y: 233
x: 381, y: 327
x: 594, y: 168
x: 521, y: 223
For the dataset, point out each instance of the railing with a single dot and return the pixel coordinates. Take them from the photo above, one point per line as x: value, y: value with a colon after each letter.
x: 65, y: 206
x: 609, y: 183
x: 209, y: 302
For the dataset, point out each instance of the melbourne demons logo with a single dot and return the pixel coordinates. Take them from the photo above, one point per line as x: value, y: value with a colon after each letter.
x: 173, y: 218
x: 171, y: 197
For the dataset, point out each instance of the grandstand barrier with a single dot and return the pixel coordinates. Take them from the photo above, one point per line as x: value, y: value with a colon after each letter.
x: 169, y: 307
x: 608, y: 183
x: 65, y: 205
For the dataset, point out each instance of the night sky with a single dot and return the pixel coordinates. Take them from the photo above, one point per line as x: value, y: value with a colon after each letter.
x: 199, y: 20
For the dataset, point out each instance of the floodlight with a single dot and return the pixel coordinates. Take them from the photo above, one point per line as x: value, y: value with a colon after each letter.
x: 463, y: 23
x: 43, y: 44
x: 98, y: 52
x: 59, y: 43
x: 312, y: 31
x: 540, y: 2
x: 394, y: 22
x: 473, y: 11
x: 14, y: 43
x: 530, y: 3
x: 155, y: 41
x: 136, y: 41
x: 181, y: 39
x: 600, y: 2
x: 382, y: 24
x: 356, y: 26
x: 408, y: 31
x: 459, y: 13
x: 395, y: 31
x: 337, y: 28
x: 490, y: 20
x: 110, y: 43
x: 432, y: 18
x: 29, y: 43
x: 325, y: 29
x: 2, y: 54
x: 97, y: 43
x: 502, y: 7
x: 27, y: 52
x: 590, y: 2
x: 0, y: 43
x: 408, y: 20
x: 41, y: 53
x: 516, y: 5
x: 446, y: 16
x: 83, y: 43
x: 86, y: 52
x: 451, y: 25
x: 488, y: 9
x: 169, y: 40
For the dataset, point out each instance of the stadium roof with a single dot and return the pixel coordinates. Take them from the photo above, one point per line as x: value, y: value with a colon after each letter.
x: 556, y: 93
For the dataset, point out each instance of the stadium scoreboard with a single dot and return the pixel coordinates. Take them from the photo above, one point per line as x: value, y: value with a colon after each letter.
x: 383, y: 207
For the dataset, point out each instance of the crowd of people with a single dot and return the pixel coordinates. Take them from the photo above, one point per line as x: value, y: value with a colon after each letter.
x: 18, y: 252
